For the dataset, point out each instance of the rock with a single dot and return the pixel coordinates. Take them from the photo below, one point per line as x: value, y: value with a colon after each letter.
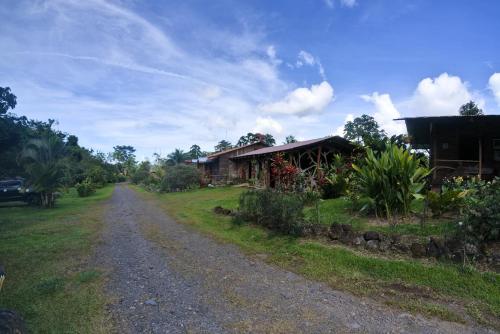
x: 320, y: 230
x: 471, y: 249
x: 150, y: 302
x: 372, y: 244
x: 221, y: 211
x: 417, y: 250
x: 436, y: 248
x: 453, y: 245
x: 335, y: 231
x: 385, y: 243
x: 358, y: 241
x: 371, y: 235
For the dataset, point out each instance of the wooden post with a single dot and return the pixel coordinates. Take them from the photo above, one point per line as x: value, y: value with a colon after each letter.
x: 480, y: 158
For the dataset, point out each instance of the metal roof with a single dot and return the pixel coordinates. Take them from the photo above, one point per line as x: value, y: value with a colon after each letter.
x: 419, y: 128
x: 344, y: 143
x: 229, y: 150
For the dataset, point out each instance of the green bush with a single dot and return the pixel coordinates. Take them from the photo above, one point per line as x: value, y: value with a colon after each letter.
x: 391, y: 180
x: 481, y: 219
x: 447, y: 200
x: 336, y: 179
x: 85, y: 188
x: 279, y: 211
x: 180, y: 177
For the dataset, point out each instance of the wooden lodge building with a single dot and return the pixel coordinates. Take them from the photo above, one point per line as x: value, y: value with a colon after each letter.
x: 253, y: 162
x: 458, y: 145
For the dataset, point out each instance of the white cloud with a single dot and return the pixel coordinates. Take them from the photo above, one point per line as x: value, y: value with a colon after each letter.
x: 302, y: 101
x: 348, y: 3
x: 494, y: 86
x: 442, y: 95
x: 340, y: 130
x: 305, y: 57
x: 385, y: 113
x: 268, y: 125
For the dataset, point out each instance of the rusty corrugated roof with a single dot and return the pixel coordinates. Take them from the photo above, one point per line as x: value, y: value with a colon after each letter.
x: 297, y: 145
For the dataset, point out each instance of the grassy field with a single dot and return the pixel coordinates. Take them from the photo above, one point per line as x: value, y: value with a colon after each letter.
x: 436, y: 289
x: 45, y: 254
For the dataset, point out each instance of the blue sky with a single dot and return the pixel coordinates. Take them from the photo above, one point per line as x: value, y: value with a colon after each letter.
x: 165, y: 74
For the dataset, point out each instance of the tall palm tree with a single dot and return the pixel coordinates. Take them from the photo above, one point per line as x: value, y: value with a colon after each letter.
x: 42, y: 161
x: 177, y: 156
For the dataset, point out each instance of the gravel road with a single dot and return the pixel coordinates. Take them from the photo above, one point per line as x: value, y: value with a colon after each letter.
x: 166, y: 278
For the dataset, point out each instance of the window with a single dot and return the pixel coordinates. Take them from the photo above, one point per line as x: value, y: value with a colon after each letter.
x: 496, y: 149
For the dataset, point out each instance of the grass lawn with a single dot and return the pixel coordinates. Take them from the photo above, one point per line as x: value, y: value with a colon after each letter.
x: 45, y: 253
x: 337, y: 210
x: 431, y: 288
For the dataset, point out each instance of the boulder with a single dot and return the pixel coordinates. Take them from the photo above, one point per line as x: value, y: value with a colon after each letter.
x: 385, y: 243
x: 372, y: 244
x: 417, y: 249
x: 222, y: 211
x: 335, y: 231
x: 371, y: 235
x: 471, y: 249
x: 342, y: 232
x: 436, y: 248
x: 359, y: 241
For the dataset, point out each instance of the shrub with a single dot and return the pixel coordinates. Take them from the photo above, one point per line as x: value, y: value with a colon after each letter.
x: 284, y: 172
x: 282, y: 212
x: 336, y: 178
x: 391, y: 180
x: 180, y: 177
x: 481, y: 219
x: 446, y: 201
x: 85, y: 188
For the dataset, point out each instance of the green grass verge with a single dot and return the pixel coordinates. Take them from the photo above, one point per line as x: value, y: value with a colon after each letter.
x: 337, y: 210
x: 45, y: 253
x: 392, y: 280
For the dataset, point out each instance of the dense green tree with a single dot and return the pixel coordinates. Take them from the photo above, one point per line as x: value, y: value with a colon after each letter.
x: 195, y: 151
x: 222, y: 145
x: 290, y: 139
x: 470, y: 109
x: 364, y: 130
x: 125, y: 158
x: 269, y: 140
x: 7, y: 100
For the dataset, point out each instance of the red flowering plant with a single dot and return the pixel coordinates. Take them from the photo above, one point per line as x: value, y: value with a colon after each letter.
x: 284, y: 172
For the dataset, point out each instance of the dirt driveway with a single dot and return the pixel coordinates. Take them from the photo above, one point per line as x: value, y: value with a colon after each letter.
x: 166, y: 278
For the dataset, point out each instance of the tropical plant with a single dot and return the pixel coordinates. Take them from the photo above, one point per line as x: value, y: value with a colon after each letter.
x: 284, y: 173
x: 176, y: 157
x: 391, y: 180
x: 180, y: 177
x: 336, y: 177
x: 42, y: 160
x: 290, y: 139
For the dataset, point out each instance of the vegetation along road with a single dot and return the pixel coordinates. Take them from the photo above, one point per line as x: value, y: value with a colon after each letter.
x: 166, y: 277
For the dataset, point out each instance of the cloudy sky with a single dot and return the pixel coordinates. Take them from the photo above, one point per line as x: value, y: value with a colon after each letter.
x: 165, y: 74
